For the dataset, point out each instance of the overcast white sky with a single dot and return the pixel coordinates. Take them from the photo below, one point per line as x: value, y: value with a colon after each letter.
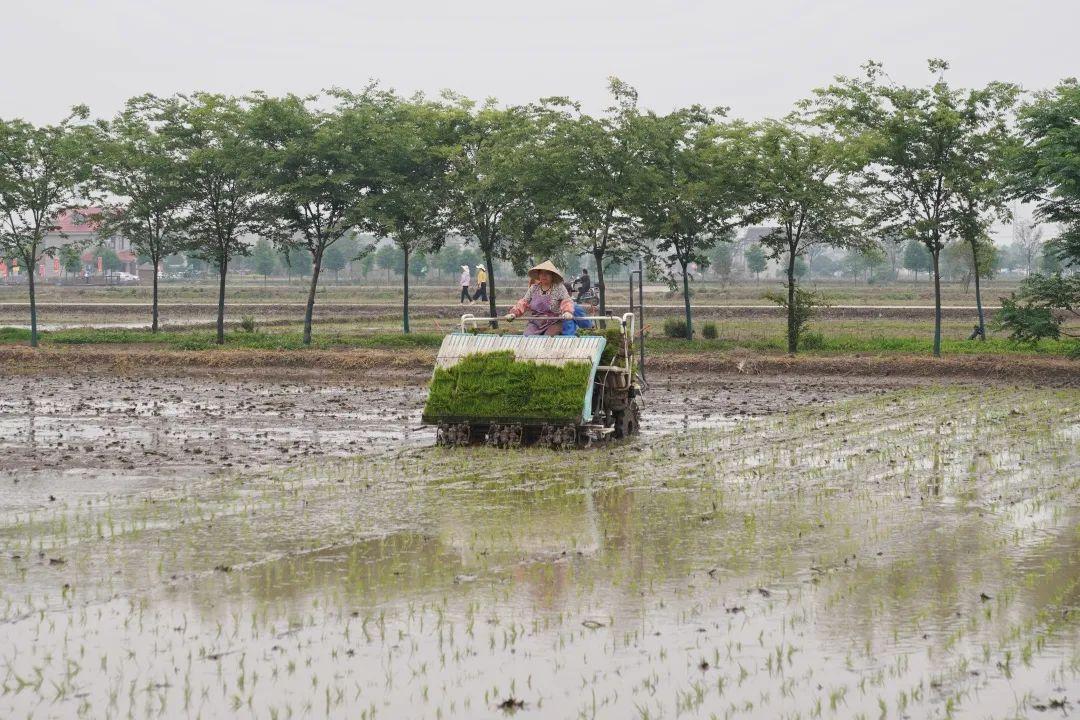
x: 757, y: 57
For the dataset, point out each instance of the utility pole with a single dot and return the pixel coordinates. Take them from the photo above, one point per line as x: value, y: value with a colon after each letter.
x: 640, y: 310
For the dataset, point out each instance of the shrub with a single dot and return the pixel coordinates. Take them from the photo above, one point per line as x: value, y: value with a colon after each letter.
x: 708, y: 330
x: 675, y: 328
x: 247, y: 324
x: 806, y: 305
x: 1026, y: 323
x: 812, y: 341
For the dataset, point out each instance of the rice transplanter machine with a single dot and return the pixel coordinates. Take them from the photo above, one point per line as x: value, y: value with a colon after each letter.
x: 600, y: 388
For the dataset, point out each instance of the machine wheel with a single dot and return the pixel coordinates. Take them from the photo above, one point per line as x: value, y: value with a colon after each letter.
x: 558, y: 437
x: 626, y: 422
x: 505, y: 436
x: 453, y: 435
x: 566, y: 438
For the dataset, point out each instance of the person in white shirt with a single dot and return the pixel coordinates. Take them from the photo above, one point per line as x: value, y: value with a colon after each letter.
x: 466, y: 281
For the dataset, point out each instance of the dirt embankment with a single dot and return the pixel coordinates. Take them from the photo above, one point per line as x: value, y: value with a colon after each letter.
x: 141, y: 360
x: 1002, y: 368
x: 414, y: 365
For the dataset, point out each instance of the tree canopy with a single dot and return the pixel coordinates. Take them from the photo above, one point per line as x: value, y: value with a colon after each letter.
x: 42, y: 174
x: 918, y: 142
x: 921, y: 167
x: 135, y: 166
x: 317, y: 169
x: 696, y: 185
x: 805, y: 182
x: 1046, y: 171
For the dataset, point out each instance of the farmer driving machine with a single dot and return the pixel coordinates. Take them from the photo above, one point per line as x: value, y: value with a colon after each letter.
x: 556, y: 391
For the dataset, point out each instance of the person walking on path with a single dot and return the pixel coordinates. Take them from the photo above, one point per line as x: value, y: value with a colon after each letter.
x: 465, y: 282
x: 481, y: 283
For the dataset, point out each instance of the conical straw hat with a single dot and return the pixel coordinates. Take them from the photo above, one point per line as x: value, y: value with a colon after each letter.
x: 546, y: 265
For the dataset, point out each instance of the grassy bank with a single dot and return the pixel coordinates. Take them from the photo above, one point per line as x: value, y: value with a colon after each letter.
x: 290, y: 338
x: 204, y: 340
x: 853, y: 344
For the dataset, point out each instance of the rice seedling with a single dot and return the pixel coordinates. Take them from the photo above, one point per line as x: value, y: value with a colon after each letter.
x: 496, y: 386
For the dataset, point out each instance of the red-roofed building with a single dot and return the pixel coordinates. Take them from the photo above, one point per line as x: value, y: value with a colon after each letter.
x: 73, y: 222
x: 76, y: 227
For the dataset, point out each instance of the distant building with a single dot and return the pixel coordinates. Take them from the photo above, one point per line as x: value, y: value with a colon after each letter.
x: 752, y: 235
x: 76, y: 228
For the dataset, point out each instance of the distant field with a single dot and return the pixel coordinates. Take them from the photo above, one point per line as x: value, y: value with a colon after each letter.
x: 896, y: 318
x: 827, y: 337
x: 378, y: 290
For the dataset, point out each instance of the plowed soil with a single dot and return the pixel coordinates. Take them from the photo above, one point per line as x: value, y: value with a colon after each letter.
x: 149, y: 413
x: 151, y: 424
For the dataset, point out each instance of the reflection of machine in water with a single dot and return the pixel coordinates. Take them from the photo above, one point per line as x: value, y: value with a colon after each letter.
x: 498, y: 526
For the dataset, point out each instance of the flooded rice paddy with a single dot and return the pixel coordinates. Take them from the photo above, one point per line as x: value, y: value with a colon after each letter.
x: 910, y: 553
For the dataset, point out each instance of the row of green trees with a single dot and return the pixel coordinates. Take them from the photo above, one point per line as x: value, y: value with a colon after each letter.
x: 862, y: 161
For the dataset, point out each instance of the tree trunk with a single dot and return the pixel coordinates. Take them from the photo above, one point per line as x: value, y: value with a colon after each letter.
x: 405, y: 300
x: 935, y: 254
x: 598, y: 256
x: 223, y: 267
x: 491, y: 285
x: 316, y: 266
x: 978, y: 292
x: 686, y: 302
x: 792, y: 331
x: 33, y: 307
x: 154, y: 301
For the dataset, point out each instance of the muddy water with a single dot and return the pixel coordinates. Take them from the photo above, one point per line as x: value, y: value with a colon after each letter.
x: 912, y: 554
x: 153, y: 429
